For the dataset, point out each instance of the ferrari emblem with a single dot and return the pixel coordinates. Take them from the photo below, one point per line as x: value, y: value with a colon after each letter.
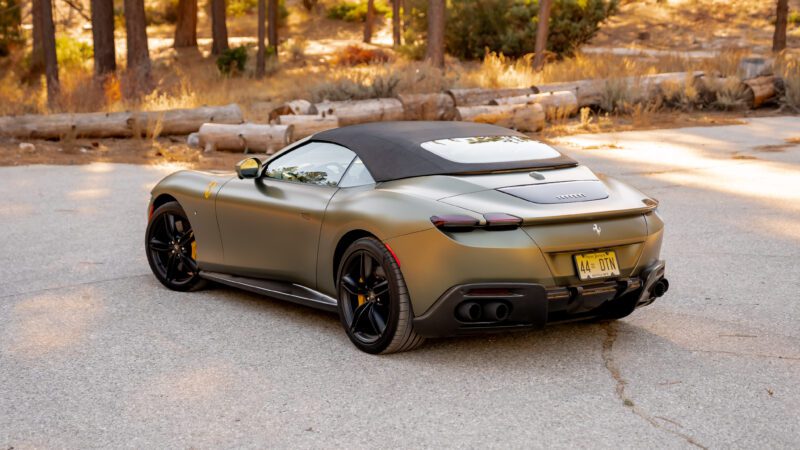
x: 207, y: 193
x: 597, y: 229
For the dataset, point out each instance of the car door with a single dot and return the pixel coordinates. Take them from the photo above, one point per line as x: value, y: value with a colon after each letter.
x: 270, y: 226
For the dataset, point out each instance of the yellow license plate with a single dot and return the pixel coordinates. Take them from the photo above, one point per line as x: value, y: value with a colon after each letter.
x: 592, y: 266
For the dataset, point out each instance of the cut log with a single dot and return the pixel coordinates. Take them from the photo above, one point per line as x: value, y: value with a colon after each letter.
x: 587, y: 92
x: 123, y: 124
x: 555, y: 104
x: 755, y: 67
x: 525, y: 117
x: 245, y: 137
x: 306, y: 125
x: 481, y: 96
x: 298, y: 107
x: 352, y: 112
x: 760, y: 90
x: 428, y: 106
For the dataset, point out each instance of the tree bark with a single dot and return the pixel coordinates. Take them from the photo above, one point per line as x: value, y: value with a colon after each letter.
x: 351, y: 112
x: 436, y: 23
x: 219, y: 27
x: 481, y: 96
x: 49, y: 49
x: 247, y: 136
x: 138, y: 59
x: 105, y: 57
x: 397, y: 34
x: 37, y: 55
x: 272, y: 31
x: 262, y: 31
x: 781, y: 17
x: 520, y: 117
x: 542, y: 30
x: 369, y: 21
x: 186, y: 27
x: 428, y: 106
x: 306, y: 125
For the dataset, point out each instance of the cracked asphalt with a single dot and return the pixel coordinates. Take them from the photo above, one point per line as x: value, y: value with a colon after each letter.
x: 95, y: 353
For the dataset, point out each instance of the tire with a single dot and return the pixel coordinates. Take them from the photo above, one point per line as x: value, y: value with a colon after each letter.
x: 378, y: 298
x: 169, y: 244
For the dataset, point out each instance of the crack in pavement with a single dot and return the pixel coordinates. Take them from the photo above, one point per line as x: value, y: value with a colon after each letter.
x: 616, y: 374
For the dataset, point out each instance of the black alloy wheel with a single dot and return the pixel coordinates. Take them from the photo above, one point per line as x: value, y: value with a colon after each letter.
x: 171, y: 248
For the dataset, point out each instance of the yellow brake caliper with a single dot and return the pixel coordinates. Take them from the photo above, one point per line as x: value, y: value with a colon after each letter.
x: 361, y: 298
x: 194, y: 250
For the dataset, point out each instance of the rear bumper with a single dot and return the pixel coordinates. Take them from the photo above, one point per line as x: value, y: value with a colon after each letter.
x: 532, y: 305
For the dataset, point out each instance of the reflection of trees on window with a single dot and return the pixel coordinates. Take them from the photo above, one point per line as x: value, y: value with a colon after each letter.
x: 294, y: 173
x: 506, y: 139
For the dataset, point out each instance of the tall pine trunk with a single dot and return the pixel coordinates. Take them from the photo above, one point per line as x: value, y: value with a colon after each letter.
x: 369, y: 21
x: 186, y: 26
x: 436, y: 24
x: 262, y: 31
x: 49, y: 50
x: 105, y: 58
x: 36, y: 68
x: 542, y: 31
x: 397, y: 35
x: 136, y: 40
x: 219, y: 27
x: 272, y: 22
x: 781, y: 17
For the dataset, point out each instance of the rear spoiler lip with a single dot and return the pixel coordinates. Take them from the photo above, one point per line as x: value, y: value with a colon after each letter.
x: 526, y: 221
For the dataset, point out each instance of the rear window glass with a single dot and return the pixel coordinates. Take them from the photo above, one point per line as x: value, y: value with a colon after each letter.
x: 490, y: 149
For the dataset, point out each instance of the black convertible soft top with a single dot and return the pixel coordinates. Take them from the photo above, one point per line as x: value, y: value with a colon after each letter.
x: 392, y: 150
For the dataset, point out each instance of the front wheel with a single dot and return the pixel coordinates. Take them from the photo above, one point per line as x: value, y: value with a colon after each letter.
x: 374, y: 305
x: 171, y: 249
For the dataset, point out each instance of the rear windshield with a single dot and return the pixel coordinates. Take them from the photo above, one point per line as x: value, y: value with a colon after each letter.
x: 490, y: 149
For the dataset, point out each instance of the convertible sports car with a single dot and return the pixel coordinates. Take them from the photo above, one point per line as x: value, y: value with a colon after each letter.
x: 414, y: 229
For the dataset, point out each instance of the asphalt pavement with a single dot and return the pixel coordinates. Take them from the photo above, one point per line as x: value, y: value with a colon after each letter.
x: 94, y: 352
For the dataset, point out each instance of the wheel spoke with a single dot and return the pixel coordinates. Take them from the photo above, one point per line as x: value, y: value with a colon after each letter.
x: 169, y: 225
x: 189, y: 263
x: 172, y: 266
x: 375, y: 319
x: 366, y: 269
x: 186, y: 238
x: 380, y: 288
x: 358, y: 316
x: 350, y: 285
x: 158, y: 246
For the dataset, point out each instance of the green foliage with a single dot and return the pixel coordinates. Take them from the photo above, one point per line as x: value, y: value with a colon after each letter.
x: 72, y: 53
x: 356, y: 11
x: 507, y: 26
x: 359, y: 87
x: 10, y: 23
x: 794, y: 18
x: 232, y: 61
x: 236, y: 8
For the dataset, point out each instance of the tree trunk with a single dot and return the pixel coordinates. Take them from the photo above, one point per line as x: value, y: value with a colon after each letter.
x: 542, y: 30
x: 428, y: 106
x: 369, y: 21
x: 49, y: 48
x: 105, y: 57
x: 219, y: 28
x: 261, y: 66
x: 397, y: 34
x: 520, y: 117
x: 186, y: 26
x: 247, y: 136
x: 37, y: 55
x: 351, y: 112
x: 436, y: 24
x: 555, y: 104
x: 272, y: 31
x: 138, y: 53
x: 781, y: 16
x: 481, y: 96
x: 306, y: 125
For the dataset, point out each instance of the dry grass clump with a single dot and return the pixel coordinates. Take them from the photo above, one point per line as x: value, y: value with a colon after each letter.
x: 355, y: 55
x: 789, y: 69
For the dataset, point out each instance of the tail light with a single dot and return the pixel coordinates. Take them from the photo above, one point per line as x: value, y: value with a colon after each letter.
x: 463, y: 223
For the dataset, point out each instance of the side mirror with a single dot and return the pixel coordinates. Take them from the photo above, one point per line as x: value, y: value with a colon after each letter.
x: 248, y: 168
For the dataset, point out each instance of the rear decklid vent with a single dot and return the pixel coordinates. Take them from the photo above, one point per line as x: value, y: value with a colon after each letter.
x: 565, y: 192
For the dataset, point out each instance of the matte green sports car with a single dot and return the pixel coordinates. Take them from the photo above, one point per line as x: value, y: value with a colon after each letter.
x: 414, y: 229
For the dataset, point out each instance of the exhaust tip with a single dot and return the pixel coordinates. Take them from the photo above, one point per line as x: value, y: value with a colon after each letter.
x: 469, y: 312
x: 496, y: 311
x: 660, y: 287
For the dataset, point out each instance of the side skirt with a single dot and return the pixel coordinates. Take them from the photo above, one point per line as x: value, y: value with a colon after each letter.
x: 281, y: 290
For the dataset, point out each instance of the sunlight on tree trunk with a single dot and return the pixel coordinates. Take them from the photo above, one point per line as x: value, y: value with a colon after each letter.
x: 138, y: 60
x: 272, y: 32
x: 397, y: 35
x: 36, y: 68
x: 186, y: 26
x: 262, y: 31
x: 219, y: 27
x: 105, y: 57
x: 542, y: 30
x: 49, y: 49
x: 369, y: 21
x: 781, y: 17
x: 436, y: 24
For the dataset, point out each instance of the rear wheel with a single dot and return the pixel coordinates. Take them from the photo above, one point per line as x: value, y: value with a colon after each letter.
x: 374, y: 305
x: 171, y: 249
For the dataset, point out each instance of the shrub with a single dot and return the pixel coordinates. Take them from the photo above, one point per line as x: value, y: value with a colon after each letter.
x: 296, y: 47
x: 356, y: 87
x: 790, y: 72
x: 72, y: 53
x: 354, y: 55
x: 236, y: 8
x: 509, y: 26
x: 10, y: 23
x: 232, y: 61
x: 356, y: 11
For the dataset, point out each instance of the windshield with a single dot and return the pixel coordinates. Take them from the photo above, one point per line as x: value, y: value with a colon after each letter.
x: 491, y: 149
